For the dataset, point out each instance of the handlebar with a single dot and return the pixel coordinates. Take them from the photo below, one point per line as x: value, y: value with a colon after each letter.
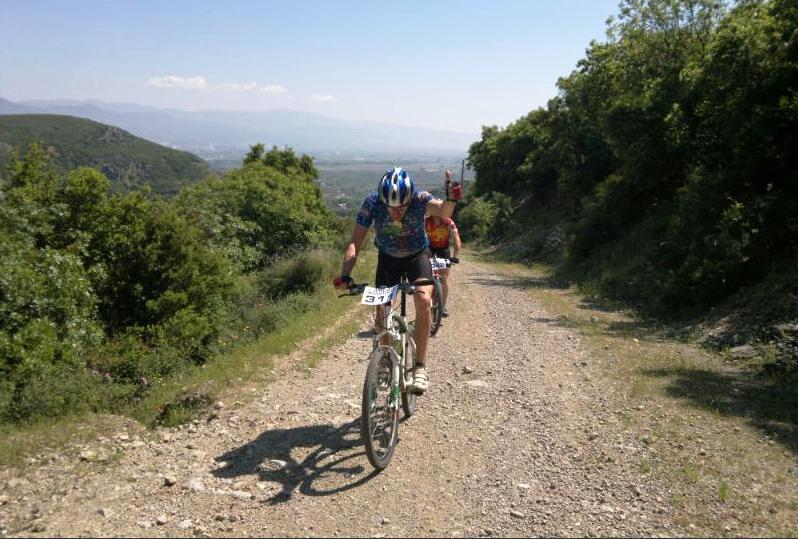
x: 410, y: 288
x: 354, y: 290
x: 448, y: 262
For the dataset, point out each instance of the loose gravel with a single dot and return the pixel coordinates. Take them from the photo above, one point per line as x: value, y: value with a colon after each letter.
x: 516, y: 437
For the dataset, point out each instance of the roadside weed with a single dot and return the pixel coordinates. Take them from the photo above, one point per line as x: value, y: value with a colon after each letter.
x: 724, y: 490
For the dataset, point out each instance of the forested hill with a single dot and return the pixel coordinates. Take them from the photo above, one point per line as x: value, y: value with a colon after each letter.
x: 665, y: 171
x: 129, y: 162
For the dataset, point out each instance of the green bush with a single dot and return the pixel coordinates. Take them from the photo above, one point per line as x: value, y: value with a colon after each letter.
x: 155, y: 263
x: 130, y: 359
x: 679, y: 132
x: 47, y: 322
x: 486, y: 219
x: 300, y: 272
x: 104, y: 298
x: 53, y: 390
x: 255, y: 213
x: 477, y: 219
x: 273, y: 315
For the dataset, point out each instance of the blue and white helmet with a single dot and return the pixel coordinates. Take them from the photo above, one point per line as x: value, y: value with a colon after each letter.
x: 396, y: 187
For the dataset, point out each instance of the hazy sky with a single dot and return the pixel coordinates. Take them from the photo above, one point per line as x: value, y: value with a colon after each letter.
x: 453, y: 65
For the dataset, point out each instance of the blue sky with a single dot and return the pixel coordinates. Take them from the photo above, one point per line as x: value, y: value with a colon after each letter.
x: 454, y: 65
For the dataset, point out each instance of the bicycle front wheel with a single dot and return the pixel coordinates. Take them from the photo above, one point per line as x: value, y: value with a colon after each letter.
x: 437, y: 307
x: 380, y: 408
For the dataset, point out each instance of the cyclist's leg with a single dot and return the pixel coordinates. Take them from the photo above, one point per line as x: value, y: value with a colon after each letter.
x: 388, y: 274
x: 445, y: 253
x: 445, y: 287
x: 419, y: 268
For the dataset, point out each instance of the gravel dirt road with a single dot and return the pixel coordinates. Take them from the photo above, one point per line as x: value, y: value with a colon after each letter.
x: 516, y: 437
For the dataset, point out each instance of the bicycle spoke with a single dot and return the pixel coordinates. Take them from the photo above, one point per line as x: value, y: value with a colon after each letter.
x: 379, y: 413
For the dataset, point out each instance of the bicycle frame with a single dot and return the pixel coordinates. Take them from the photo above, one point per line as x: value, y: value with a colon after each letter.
x: 439, y: 266
x: 398, y: 333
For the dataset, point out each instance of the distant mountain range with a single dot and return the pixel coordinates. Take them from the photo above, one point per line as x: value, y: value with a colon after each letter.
x: 128, y: 161
x: 229, y: 134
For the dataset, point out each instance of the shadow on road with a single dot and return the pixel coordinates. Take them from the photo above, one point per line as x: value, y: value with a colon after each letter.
x: 333, y: 460
x: 769, y: 402
x: 366, y: 334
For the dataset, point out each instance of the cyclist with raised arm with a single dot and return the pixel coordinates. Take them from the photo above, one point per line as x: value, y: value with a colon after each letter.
x: 442, y: 234
x: 397, y: 212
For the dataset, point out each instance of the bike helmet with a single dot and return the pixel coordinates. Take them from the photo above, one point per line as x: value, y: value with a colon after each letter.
x: 396, y: 187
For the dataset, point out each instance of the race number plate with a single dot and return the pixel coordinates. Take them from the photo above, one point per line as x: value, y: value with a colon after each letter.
x: 378, y: 296
x: 438, y: 263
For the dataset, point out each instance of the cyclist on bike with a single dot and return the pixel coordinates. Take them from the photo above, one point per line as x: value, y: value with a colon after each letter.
x: 442, y: 233
x: 397, y: 212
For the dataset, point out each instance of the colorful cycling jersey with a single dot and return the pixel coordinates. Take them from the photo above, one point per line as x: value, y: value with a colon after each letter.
x: 439, y: 234
x: 399, y: 239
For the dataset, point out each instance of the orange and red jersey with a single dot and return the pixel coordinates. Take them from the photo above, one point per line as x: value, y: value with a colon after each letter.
x: 440, y: 234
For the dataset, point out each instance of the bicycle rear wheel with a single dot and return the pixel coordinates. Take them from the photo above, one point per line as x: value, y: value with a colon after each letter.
x: 380, y: 416
x: 437, y: 307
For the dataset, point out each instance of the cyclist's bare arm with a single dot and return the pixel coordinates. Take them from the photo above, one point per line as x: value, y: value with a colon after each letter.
x: 445, y: 208
x: 440, y: 208
x: 353, y: 248
x: 456, y: 242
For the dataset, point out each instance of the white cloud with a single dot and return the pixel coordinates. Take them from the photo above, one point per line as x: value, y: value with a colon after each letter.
x: 236, y: 87
x: 201, y: 84
x: 273, y: 89
x: 184, y: 83
x: 323, y: 98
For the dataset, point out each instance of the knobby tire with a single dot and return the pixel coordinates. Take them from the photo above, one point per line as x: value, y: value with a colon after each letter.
x: 437, y: 307
x: 380, y: 423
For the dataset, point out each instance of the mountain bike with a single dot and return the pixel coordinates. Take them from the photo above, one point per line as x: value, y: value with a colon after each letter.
x: 385, y: 386
x: 438, y: 265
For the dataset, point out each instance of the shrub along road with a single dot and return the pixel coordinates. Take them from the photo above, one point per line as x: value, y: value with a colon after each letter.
x: 540, y: 420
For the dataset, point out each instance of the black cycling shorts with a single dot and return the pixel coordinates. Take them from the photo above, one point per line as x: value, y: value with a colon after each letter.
x: 390, y: 268
x: 441, y: 253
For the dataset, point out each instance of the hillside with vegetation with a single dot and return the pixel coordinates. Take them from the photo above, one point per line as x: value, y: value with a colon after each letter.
x: 665, y: 172
x: 129, y: 162
x: 107, y: 298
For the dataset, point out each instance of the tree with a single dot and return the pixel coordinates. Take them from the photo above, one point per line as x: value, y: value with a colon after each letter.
x: 255, y: 154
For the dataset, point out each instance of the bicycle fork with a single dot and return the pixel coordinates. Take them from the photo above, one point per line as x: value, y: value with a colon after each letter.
x: 396, y: 390
x: 397, y: 370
